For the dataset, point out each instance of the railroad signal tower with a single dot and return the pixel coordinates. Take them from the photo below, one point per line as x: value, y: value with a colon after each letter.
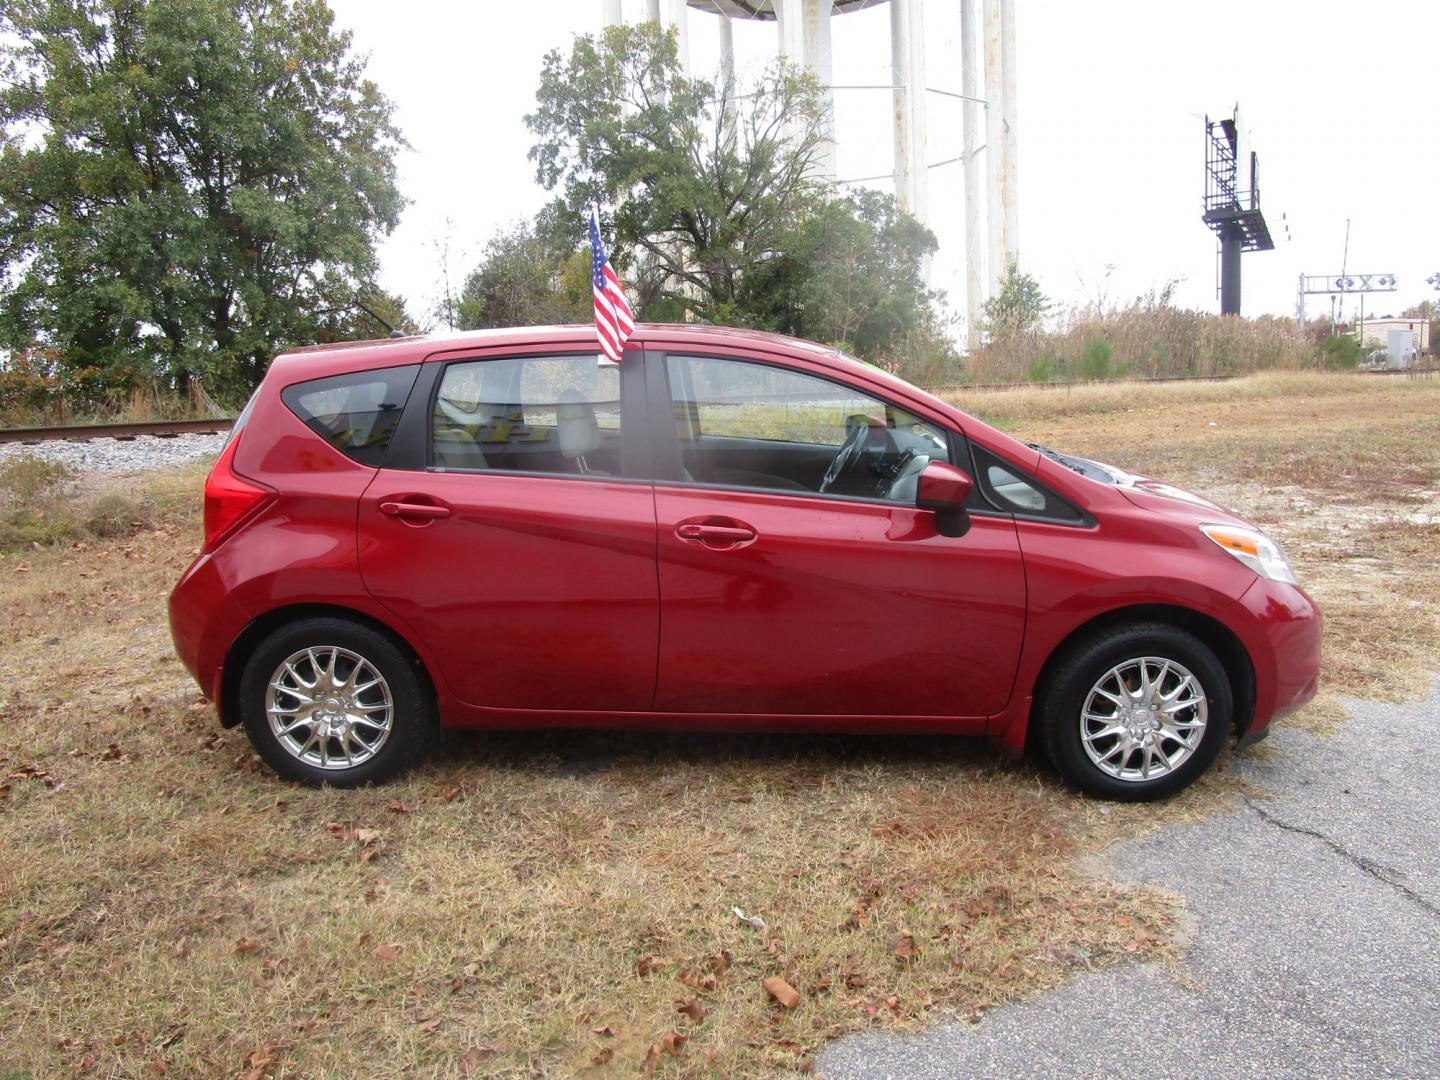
x: 1232, y: 211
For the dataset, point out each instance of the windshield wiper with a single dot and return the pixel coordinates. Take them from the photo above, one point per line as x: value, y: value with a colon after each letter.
x: 1055, y: 455
x: 1080, y: 465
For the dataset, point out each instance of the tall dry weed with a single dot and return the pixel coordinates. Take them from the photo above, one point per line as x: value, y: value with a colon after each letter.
x: 1141, y: 341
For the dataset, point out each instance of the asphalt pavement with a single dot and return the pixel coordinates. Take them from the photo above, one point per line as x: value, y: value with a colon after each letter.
x: 1315, y: 935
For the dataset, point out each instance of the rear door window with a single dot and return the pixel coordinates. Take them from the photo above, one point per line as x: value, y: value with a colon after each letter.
x: 354, y: 413
x: 559, y: 415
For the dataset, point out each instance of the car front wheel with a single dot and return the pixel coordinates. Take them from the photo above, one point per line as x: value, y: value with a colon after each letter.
x: 325, y: 701
x: 1136, y: 712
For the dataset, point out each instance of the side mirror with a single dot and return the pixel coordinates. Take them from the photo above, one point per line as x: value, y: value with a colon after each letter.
x: 945, y: 489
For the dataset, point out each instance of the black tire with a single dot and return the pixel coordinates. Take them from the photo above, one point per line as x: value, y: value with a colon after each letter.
x: 410, y: 716
x: 1086, y: 667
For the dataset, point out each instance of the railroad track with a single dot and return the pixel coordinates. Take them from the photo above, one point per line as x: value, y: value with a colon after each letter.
x: 962, y: 388
x: 168, y: 429
x: 160, y: 429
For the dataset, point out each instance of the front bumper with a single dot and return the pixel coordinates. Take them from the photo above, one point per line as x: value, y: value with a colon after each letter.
x: 1285, y: 651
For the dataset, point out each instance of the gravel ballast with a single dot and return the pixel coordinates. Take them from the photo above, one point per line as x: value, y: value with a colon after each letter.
x: 140, y: 454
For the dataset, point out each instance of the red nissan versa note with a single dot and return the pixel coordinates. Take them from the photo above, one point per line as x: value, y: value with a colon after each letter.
x: 729, y: 530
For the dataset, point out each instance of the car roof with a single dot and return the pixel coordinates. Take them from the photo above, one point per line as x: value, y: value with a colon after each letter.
x: 311, y: 361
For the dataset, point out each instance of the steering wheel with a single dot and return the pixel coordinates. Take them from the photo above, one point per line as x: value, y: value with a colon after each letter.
x: 906, y: 481
x: 848, y: 454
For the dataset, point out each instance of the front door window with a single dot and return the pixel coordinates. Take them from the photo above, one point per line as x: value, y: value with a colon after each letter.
x: 751, y: 425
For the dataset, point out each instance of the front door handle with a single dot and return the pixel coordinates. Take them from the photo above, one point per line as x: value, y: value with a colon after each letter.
x: 724, y: 533
x: 414, y: 510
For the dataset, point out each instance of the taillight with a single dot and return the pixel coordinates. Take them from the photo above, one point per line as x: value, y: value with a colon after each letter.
x: 229, y: 498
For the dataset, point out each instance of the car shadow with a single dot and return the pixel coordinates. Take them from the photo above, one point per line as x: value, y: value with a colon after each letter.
x: 582, y: 755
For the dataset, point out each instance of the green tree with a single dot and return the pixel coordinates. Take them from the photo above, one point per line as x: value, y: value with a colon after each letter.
x: 1018, y: 307
x: 524, y: 281
x: 852, y: 274
x: 373, y: 313
x: 707, y: 184
x: 185, y: 185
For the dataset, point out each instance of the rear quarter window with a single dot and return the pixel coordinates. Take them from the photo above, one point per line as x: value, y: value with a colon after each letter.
x: 355, y: 413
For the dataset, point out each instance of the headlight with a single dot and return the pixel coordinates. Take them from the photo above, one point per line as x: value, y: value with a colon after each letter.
x: 1254, y: 549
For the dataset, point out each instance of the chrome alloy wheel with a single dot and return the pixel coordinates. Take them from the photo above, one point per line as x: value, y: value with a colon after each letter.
x: 329, y: 707
x: 1143, y: 718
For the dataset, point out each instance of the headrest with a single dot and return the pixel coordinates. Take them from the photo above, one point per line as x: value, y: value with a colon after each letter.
x: 579, y: 431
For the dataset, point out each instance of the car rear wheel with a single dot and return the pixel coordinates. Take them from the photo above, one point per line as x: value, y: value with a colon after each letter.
x: 325, y: 701
x: 1136, y: 712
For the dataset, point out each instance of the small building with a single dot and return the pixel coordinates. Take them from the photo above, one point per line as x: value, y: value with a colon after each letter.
x: 1375, y: 333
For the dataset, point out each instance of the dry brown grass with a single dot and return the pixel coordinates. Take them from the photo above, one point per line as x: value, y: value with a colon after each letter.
x: 163, y: 899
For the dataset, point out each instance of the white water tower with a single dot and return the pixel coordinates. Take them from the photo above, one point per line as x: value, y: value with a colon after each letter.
x: 987, y: 41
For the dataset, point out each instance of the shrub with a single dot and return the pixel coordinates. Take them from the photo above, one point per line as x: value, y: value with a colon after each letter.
x: 1146, y: 339
x: 1041, y: 369
x: 114, y: 514
x: 33, y: 502
x: 1095, y: 360
x: 1340, y: 352
x: 27, y: 479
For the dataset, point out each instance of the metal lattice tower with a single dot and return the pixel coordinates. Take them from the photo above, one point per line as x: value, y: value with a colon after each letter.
x: 1232, y: 212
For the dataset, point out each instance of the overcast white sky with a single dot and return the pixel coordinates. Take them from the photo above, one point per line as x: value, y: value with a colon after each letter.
x: 1339, y: 99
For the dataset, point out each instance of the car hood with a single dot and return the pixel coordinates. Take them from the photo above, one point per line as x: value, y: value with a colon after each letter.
x: 1162, y: 498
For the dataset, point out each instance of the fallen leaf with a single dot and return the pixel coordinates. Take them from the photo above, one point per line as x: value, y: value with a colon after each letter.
x: 692, y: 1008
x: 430, y: 1023
x: 604, y: 1029
x: 652, y: 1059
x: 368, y: 836
x: 244, y: 946
x: 647, y: 963
x: 905, y: 948
x: 855, y: 980
x: 751, y: 920
x: 672, y: 1043
x: 386, y: 954
x: 781, y: 991
x: 395, y: 806
x: 474, y: 1056
x: 603, y: 1057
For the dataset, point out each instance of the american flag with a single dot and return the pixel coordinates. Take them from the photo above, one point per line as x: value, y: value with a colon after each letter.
x: 614, y: 321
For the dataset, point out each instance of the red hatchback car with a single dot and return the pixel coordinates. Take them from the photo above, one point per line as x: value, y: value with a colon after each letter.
x: 729, y: 530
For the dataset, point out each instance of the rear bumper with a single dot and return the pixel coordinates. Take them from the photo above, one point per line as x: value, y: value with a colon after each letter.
x: 204, y: 621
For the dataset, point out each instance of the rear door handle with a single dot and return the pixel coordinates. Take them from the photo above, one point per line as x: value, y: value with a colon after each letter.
x: 414, y: 510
